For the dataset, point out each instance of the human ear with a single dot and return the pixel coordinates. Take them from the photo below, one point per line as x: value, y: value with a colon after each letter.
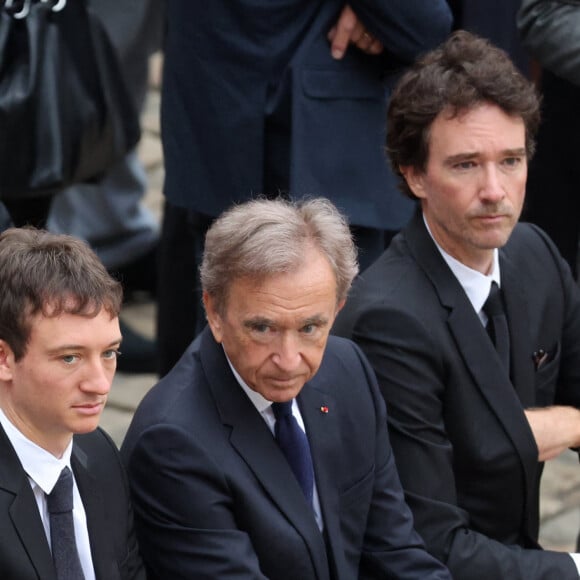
x: 214, y: 320
x: 415, y: 180
x: 6, y: 361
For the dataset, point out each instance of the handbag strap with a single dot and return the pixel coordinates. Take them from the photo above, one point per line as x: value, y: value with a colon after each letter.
x: 21, y: 8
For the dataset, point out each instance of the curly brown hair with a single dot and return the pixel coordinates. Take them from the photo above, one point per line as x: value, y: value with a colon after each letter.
x: 462, y: 73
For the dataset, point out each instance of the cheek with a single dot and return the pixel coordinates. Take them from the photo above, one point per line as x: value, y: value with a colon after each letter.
x: 519, y: 189
x: 313, y: 355
x: 253, y: 357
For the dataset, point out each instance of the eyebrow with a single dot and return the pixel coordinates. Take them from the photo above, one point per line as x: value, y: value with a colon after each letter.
x: 257, y: 321
x: 81, y: 347
x: 316, y: 319
x: 519, y: 152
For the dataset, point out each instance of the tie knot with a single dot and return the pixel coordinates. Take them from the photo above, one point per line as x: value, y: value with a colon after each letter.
x: 60, y: 499
x: 282, y: 409
x: 493, y: 305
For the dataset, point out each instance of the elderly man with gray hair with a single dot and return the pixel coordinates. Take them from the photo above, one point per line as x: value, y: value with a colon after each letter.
x: 264, y: 453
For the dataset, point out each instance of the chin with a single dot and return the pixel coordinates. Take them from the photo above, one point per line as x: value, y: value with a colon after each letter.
x: 85, y: 427
x: 282, y: 395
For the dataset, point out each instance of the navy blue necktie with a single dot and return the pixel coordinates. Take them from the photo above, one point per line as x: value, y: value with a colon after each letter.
x: 497, y: 326
x: 294, y: 444
x: 62, y: 533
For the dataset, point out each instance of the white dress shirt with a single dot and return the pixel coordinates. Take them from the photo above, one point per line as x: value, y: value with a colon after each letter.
x: 264, y: 407
x: 475, y: 284
x: 43, y: 470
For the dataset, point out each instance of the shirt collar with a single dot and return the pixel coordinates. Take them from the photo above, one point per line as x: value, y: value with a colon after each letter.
x: 475, y: 284
x: 40, y: 465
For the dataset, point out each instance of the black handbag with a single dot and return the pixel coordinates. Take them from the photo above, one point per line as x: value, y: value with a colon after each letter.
x: 65, y: 113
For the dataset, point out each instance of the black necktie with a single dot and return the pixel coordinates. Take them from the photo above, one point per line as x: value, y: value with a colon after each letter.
x: 62, y: 533
x: 497, y: 326
x: 294, y: 444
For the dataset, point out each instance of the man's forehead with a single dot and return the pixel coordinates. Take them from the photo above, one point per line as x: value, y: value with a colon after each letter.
x: 55, y: 316
x: 464, y: 132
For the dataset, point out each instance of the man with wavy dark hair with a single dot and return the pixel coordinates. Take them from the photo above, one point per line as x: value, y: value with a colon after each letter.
x: 471, y: 320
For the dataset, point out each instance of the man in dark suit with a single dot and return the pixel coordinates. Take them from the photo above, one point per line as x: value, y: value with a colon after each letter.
x: 59, y: 335
x: 227, y: 486
x: 471, y: 418
x: 269, y: 97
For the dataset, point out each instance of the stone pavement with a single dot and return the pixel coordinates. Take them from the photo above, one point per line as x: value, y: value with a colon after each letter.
x: 561, y: 482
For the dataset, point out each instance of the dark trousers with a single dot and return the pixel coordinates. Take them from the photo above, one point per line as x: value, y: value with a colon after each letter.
x: 553, y: 188
x: 180, y: 313
x: 32, y: 211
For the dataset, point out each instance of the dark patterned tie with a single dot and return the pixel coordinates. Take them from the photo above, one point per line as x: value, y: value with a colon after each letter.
x: 497, y: 326
x: 62, y: 533
x: 294, y: 444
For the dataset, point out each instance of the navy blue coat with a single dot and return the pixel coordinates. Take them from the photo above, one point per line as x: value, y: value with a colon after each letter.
x: 215, y: 498
x: 232, y: 66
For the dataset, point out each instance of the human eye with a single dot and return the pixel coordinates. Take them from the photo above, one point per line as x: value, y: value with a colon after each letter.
x: 111, y: 354
x: 260, y: 328
x: 464, y: 165
x: 69, y: 359
x: 513, y: 161
x: 313, y: 327
x: 259, y: 325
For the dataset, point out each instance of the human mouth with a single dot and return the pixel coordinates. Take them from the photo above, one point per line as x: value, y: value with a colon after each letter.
x: 89, y: 409
x: 283, y: 380
x: 492, y: 218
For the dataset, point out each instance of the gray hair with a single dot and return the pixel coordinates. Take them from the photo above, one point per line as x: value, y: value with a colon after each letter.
x: 264, y: 237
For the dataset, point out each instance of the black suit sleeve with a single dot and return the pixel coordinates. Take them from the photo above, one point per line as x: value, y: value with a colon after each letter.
x: 391, y: 547
x: 567, y: 355
x: 411, y: 373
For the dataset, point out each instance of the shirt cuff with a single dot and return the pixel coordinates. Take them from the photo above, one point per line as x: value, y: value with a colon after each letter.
x: 576, y: 558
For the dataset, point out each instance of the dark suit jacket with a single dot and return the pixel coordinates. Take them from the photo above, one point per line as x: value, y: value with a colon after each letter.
x: 215, y: 497
x: 24, y: 549
x: 248, y: 81
x: 466, y: 455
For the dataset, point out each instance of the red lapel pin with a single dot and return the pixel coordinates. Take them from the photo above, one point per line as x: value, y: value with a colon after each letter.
x: 324, y: 409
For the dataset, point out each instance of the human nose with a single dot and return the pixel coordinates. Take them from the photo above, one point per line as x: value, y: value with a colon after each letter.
x: 491, y: 187
x: 287, y: 356
x: 98, y: 378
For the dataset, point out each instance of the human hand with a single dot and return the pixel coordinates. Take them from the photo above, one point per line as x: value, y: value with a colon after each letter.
x: 555, y: 429
x: 350, y: 30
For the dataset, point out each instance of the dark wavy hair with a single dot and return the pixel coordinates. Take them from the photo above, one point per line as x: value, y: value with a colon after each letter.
x: 464, y: 72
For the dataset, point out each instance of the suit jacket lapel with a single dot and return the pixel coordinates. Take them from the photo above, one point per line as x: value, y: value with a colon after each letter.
x: 474, y: 346
x: 91, y: 494
x: 320, y: 413
x: 254, y: 442
x: 24, y: 511
x: 521, y: 349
